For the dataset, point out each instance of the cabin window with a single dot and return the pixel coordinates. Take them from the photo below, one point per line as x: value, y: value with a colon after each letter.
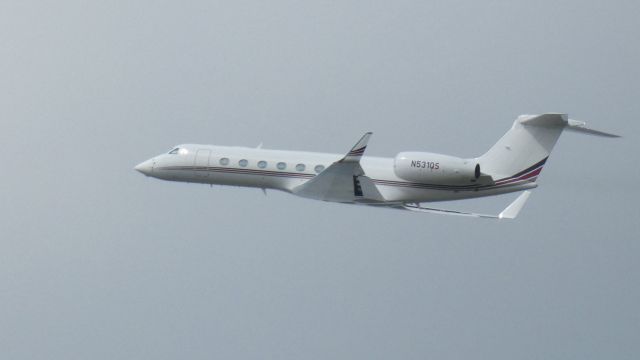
x: 243, y: 162
x: 281, y: 165
x: 224, y: 161
x: 319, y: 168
x: 262, y: 164
x: 300, y: 167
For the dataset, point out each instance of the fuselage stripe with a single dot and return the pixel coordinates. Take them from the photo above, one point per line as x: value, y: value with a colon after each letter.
x: 522, y: 175
x: 382, y: 182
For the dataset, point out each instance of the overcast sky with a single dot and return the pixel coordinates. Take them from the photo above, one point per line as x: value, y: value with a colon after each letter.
x: 99, y: 262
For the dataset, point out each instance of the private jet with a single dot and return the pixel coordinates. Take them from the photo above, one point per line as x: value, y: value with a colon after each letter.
x: 408, y: 181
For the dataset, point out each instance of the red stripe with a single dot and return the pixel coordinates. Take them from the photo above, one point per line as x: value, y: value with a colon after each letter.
x: 526, y: 176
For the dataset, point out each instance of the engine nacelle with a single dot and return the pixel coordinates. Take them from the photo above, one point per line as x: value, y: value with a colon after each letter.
x: 436, y: 168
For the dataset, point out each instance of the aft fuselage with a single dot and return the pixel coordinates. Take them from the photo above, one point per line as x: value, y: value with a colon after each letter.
x: 286, y: 170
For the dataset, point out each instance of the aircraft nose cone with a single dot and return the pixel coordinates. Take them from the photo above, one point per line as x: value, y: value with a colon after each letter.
x: 145, y: 167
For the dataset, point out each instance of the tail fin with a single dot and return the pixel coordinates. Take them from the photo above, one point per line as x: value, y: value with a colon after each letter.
x: 522, y: 152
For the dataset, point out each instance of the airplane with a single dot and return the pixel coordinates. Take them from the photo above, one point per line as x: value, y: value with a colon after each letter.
x: 405, y: 182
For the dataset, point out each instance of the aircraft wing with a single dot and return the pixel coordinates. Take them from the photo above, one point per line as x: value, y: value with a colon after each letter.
x: 344, y: 180
x: 510, y: 212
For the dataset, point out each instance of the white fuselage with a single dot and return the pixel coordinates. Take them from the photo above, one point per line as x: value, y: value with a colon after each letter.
x: 286, y: 170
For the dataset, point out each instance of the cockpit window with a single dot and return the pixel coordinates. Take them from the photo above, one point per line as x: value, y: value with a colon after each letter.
x: 180, y: 151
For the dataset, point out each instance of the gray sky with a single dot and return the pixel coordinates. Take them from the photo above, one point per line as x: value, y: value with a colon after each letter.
x: 99, y: 262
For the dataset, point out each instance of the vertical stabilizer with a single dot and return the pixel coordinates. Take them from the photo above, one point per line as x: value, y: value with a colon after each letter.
x: 522, y: 152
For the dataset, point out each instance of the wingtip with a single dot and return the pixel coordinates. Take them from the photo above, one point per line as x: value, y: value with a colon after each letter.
x: 512, y: 211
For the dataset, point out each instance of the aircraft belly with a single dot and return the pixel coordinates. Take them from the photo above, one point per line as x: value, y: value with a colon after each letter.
x: 405, y: 194
x: 255, y: 180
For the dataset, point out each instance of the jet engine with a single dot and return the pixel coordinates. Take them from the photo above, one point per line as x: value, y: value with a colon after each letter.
x: 436, y: 168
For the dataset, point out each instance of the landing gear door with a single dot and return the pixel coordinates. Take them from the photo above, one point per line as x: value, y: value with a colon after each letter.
x: 201, y: 163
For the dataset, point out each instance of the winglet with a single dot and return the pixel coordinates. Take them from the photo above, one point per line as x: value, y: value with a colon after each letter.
x: 343, y: 181
x: 511, y: 211
x: 358, y: 149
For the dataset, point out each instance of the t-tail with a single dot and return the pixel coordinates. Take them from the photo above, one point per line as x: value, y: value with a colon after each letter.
x: 522, y: 152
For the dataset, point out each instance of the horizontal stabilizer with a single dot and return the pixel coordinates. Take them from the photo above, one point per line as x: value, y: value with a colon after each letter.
x: 581, y: 127
x: 561, y: 121
x: 510, y: 212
